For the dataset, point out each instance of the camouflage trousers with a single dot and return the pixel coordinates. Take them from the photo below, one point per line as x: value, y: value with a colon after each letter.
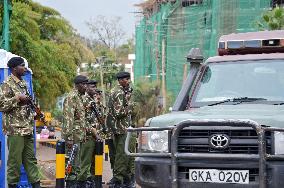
x: 86, y: 156
x: 21, y: 151
x: 123, y: 165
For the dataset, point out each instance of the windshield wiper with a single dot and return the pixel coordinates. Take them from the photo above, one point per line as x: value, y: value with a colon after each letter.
x: 280, y: 103
x: 238, y: 100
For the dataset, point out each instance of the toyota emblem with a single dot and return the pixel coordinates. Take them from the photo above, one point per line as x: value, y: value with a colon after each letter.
x: 219, y: 141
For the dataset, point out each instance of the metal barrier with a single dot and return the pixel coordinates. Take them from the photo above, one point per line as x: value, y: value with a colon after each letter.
x: 175, y: 155
x: 60, y: 164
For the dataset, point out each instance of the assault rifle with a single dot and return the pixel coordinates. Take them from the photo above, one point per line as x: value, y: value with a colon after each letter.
x: 39, y: 115
x: 71, y: 159
x: 99, y: 117
x: 128, y: 91
x: 97, y: 113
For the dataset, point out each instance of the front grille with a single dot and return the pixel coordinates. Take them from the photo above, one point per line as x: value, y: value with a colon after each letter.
x: 243, y: 141
x: 183, y: 173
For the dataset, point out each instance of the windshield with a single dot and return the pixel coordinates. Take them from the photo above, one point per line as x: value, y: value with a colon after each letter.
x: 251, y: 79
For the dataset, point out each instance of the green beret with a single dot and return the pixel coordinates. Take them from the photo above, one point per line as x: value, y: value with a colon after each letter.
x: 122, y: 75
x: 80, y: 79
x: 15, y: 61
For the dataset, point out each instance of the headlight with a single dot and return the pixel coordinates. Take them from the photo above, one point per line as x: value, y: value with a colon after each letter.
x: 279, y: 142
x: 155, y: 141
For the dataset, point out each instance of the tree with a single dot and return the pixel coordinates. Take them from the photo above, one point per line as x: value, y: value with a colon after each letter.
x: 109, y: 67
x: 125, y: 49
x: 50, y: 45
x: 273, y: 19
x: 147, y: 96
x: 107, y: 32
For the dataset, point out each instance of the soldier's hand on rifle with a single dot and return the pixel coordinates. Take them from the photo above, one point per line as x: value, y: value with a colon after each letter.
x: 98, y: 138
x: 96, y: 135
x: 128, y: 97
x: 88, y: 107
x: 23, y: 99
x: 93, y: 131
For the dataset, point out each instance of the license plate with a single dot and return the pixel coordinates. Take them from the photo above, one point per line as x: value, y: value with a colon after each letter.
x: 219, y: 176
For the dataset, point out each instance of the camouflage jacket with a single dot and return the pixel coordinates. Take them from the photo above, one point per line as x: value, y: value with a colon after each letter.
x: 92, y: 117
x: 101, y: 127
x: 17, y: 119
x: 74, y: 117
x: 119, y: 111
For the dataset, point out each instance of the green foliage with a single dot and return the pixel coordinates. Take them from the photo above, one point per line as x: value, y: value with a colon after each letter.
x: 272, y: 20
x: 57, y: 114
x: 107, y: 33
x: 148, y: 100
x: 50, y: 45
x: 109, y: 66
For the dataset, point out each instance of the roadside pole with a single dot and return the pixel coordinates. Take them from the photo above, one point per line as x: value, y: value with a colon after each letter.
x: 164, y: 92
x: 100, y: 61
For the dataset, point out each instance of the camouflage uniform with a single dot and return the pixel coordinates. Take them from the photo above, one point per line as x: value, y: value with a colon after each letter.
x: 88, y: 148
x: 100, y: 128
x: 74, y: 125
x: 119, y: 113
x: 18, y: 124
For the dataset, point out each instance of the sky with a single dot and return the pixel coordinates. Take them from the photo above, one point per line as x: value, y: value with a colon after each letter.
x: 78, y: 12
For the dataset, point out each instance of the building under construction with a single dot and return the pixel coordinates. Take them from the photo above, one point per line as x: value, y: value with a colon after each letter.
x: 170, y: 28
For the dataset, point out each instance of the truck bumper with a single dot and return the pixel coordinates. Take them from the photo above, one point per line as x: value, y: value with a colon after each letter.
x: 156, y: 172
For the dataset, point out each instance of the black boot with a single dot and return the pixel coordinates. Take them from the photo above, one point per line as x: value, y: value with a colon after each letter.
x: 12, y: 186
x: 36, y: 185
x: 71, y: 184
x: 133, y: 181
x: 116, y: 184
x: 111, y: 181
x: 90, y: 183
x: 81, y: 184
x: 129, y: 183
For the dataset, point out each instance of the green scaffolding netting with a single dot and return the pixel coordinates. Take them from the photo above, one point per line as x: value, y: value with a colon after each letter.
x: 182, y: 26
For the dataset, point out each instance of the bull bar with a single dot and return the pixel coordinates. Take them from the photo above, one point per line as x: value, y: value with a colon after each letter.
x: 174, y: 155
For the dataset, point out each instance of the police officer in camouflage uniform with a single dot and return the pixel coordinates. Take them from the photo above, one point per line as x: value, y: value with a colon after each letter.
x: 73, y: 130
x: 100, y: 120
x: 88, y: 147
x: 120, y: 108
x: 105, y: 133
x: 18, y: 125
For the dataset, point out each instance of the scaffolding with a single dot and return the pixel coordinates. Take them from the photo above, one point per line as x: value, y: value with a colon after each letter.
x: 183, y: 24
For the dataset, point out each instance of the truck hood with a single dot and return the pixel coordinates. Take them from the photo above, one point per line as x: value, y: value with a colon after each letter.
x: 270, y: 115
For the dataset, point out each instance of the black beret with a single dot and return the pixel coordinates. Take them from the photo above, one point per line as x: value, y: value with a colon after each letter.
x: 92, y: 82
x: 80, y: 79
x: 15, y: 61
x: 121, y: 75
